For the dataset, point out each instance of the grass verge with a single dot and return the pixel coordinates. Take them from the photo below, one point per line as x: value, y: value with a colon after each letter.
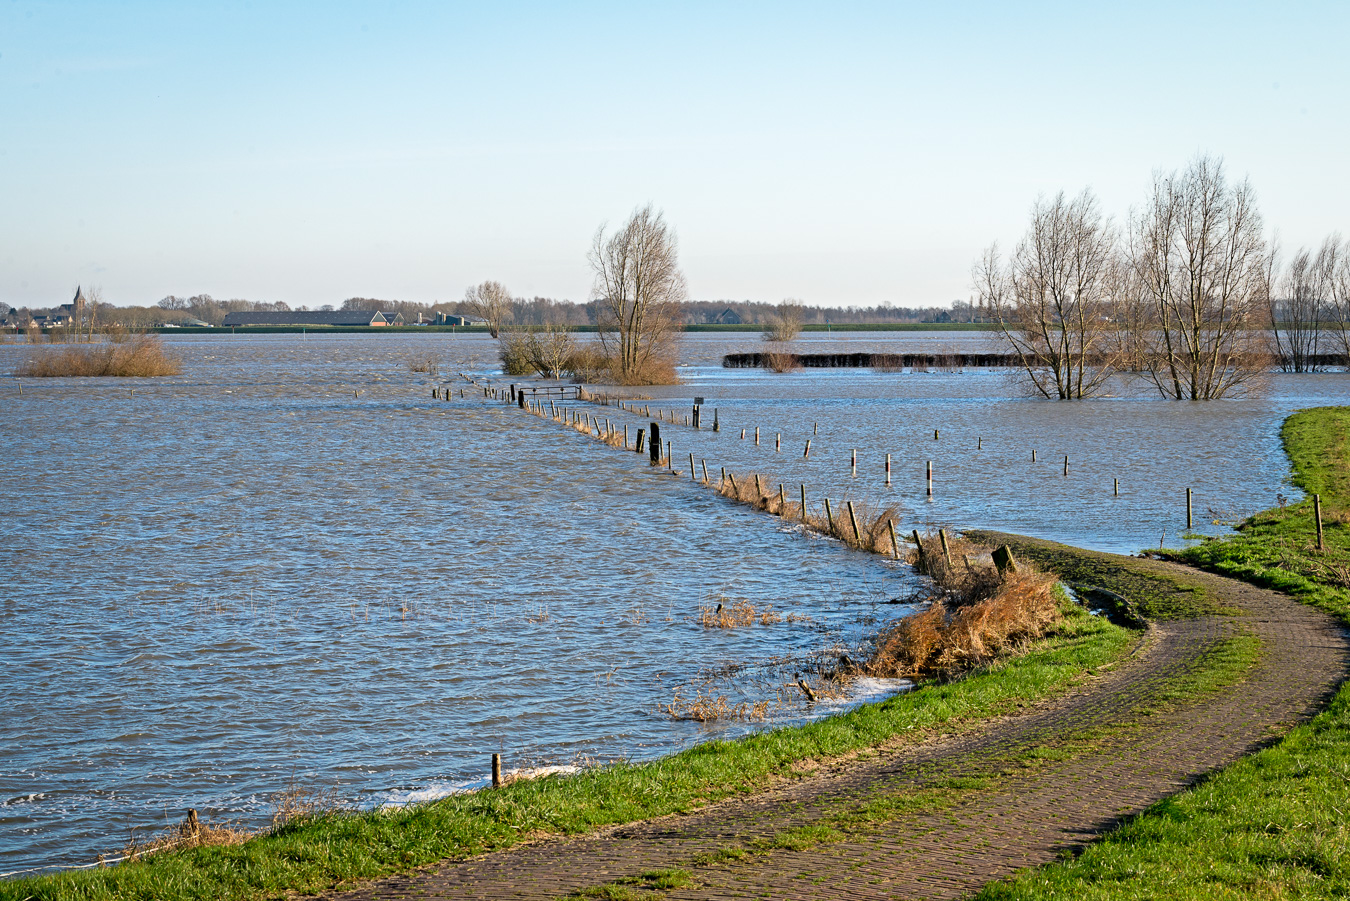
x: 311, y: 854
x: 1275, y: 824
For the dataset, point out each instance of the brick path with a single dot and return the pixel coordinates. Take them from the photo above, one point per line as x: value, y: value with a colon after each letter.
x: 1031, y: 811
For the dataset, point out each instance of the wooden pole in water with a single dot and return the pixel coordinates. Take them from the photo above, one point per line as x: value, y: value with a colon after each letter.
x: 922, y: 560
x: 654, y: 446
x: 724, y: 477
x: 717, y: 426
x: 853, y: 521
x: 1189, y: 518
x: 778, y: 442
x: 759, y: 489
x: 829, y: 516
x: 1115, y: 487
x: 742, y: 434
x: 496, y: 771
x: 670, y: 462
x: 782, y: 499
x: 946, y: 550
x: 756, y: 436
x: 1066, y: 464
x: 807, y: 453
x: 1033, y: 455
x: 732, y: 479
x: 625, y: 436
x: 935, y: 434
x: 855, y: 462
x: 1317, y: 515
x: 895, y: 542
x: 930, y: 478
x: 705, y: 471
x: 979, y: 443
x: 803, y: 502
x: 888, y: 469
x: 815, y: 428
x: 693, y: 473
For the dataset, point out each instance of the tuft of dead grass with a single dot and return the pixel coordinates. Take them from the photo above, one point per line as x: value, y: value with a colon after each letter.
x: 953, y: 635
x: 140, y: 356
x: 780, y: 361
x: 706, y: 708
x: 190, y: 833
x: 737, y: 613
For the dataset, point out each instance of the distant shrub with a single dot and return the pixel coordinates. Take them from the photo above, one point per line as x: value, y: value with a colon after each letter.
x: 141, y: 356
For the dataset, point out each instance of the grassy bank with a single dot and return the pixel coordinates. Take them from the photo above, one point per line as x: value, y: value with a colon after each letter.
x: 1276, y: 824
x: 320, y: 852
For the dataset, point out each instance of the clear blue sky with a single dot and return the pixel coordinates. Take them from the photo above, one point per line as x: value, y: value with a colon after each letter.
x: 840, y: 153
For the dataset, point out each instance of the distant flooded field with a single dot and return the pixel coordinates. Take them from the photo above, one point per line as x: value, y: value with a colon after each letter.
x: 291, y: 565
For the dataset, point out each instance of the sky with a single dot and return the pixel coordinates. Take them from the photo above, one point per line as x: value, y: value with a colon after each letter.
x: 840, y: 153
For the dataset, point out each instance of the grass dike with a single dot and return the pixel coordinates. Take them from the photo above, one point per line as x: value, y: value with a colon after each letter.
x: 1275, y: 824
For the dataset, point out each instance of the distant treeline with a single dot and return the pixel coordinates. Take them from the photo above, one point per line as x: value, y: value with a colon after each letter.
x: 535, y: 311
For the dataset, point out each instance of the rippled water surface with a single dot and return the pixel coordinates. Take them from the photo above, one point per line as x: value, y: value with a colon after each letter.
x: 292, y: 565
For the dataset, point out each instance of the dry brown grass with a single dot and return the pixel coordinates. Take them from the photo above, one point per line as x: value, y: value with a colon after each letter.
x: 141, y: 356
x: 952, y: 637
x: 735, y: 614
x: 780, y: 361
x: 190, y: 833
x: 707, y: 708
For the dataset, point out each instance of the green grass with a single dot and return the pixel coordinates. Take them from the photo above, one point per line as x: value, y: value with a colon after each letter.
x: 319, y: 853
x: 1156, y: 596
x: 1276, y: 824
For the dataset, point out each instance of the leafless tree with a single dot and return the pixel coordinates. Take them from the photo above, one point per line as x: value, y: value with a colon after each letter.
x: 1300, y: 305
x: 785, y: 323
x: 1203, y: 268
x: 1052, y: 299
x: 491, y: 302
x: 1338, y: 291
x: 638, y: 289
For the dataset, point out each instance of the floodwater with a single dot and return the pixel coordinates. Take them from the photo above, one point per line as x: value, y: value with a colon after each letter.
x: 291, y: 566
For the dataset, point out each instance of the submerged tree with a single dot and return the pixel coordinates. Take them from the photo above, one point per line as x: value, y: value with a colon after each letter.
x: 785, y: 323
x: 1052, y: 298
x: 638, y: 290
x: 492, y: 303
x: 1301, y: 305
x: 1203, y: 269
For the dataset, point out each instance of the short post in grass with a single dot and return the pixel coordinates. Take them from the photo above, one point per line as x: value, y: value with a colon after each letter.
x: 782, y: 499
x: 759, y: 488
x: 1317, y: 515
x: 930, y: 478
x: 888, y: 470
x: 496, y: 771
x: 895, y: 542
x: 946, y: 548
x: 922, y: 560
x: 806, y: 454
x: 803, y: 502
x: 1189, y: 519
x: 829, y: 516
x: 853, y: 521
x: 736, y: 492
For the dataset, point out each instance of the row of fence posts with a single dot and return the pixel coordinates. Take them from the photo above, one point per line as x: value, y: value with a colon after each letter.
x: 654, y: 450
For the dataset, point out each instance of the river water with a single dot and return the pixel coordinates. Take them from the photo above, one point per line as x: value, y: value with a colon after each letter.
x: 290, y: 566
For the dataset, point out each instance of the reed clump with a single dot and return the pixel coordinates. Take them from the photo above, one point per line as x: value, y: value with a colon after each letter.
x: 962, y: 570
x: 735, y: 614
x: 139, y: 356
x: 190, y: 833
x: 874, y: 525
x: 955, y: 635
x: 780, y: 361
x: 706, y: 708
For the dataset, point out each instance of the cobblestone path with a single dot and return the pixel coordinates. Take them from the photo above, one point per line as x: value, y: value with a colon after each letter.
x: 942, y: 819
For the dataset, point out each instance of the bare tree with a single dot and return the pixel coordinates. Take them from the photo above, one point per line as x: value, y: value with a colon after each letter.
x: 1300, y: 306
x: 1203, y: 268
x: 1052, y: 299
x: 1338, y: 291
x: 491, y: 302
x: 785, y: 323
x: 638, y: 290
